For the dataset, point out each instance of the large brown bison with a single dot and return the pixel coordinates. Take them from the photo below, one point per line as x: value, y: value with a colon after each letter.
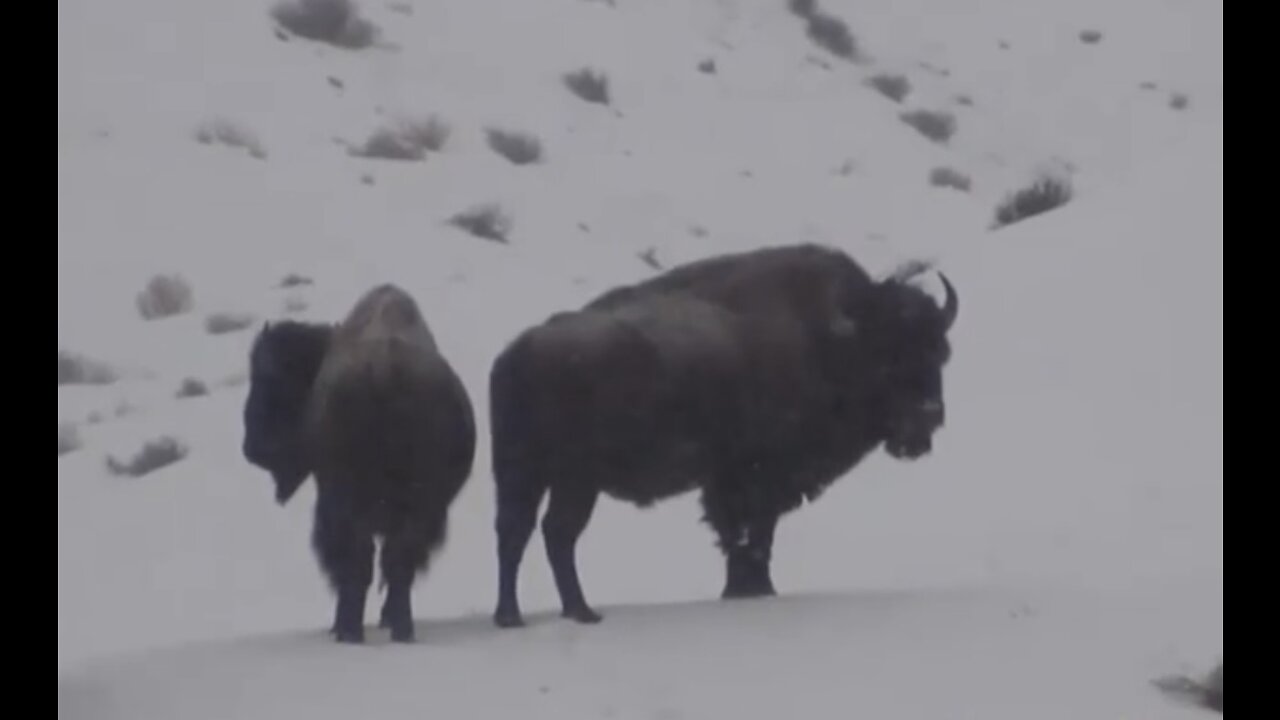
x: 757, y: 378
x: 381, y: 419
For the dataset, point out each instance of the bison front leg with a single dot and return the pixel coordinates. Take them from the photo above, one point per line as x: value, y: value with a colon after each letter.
x: 745, y: 533
x: 567, y: 516
x: 747, y: 562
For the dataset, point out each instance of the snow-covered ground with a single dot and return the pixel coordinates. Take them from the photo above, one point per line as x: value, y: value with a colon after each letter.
x: 1060, y: 549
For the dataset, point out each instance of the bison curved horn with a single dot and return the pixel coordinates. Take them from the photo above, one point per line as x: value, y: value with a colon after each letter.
x: 951, y: 305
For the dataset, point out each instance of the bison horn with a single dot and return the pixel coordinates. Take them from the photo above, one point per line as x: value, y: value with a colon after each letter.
x: 950, y: 306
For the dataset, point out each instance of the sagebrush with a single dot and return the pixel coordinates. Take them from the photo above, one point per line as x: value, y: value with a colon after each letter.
x: 223, y: 323
x: 936, y: 125
x: 946, y: 177
x: 405, y: 140
x: 484, y: 221
x: 589, y: 85
x: 165, y: 296
x: 77, y: 369
x: 155, y: 454
x: 518, y: 148
x: 68, y: 439
x: 192, y: 388
x: 336, y: 22
x: 1041, y: 196
x: 894, y: 87
x: 231, y: 134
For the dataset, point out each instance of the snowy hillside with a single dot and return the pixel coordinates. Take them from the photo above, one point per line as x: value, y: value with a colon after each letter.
x: 1060, y: 549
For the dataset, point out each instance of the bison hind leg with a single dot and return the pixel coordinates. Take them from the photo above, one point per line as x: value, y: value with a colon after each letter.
x: 567, y: 515
x: 405, y: 553
x: 346, y: 554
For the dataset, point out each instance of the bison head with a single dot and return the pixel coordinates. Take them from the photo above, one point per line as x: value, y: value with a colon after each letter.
x: 910, y: 336
x: 283, y: 365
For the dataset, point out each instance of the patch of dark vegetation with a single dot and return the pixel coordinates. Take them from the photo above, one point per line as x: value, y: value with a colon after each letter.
x: 192, y: 388
x: 223, y: 323
x: 517, y: 148
x: 936, y: 125
x: 165, y: 296
x: 68, y: 439
x: 1041, y: 196
x: 589, y: 85
x: 335, y: 22
x: 488, y: 222
x: 894, y: 87
x: 293, y: 280
x: 153, y: 455
x: 76, y: 369
x: 946, y: 177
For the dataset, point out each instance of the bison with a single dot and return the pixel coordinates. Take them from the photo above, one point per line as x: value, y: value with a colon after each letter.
x: 372, y: 409
x: 758, y: 378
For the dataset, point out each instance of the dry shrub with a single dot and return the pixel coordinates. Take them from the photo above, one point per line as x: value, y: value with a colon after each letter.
x: 517, y: 148
x: 485, y: 221
x: 153, y: 455
x: 76, y: 369
x: 589, y: 85
x: 231, y: 134
x: 165, y: 296
x: 223, y: 323
x: 936, y: 125
x: 336, y: 22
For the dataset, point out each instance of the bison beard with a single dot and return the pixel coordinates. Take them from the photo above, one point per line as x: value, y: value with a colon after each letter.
x: 372, y: 409
x: 757, y: 378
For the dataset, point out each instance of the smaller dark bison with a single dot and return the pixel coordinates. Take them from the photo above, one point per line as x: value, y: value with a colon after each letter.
x: 758, y: 378
x: 386, y: 426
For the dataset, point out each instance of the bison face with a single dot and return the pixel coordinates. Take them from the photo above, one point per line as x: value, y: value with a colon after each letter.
x: 283, y: 365
x: 914, y: 341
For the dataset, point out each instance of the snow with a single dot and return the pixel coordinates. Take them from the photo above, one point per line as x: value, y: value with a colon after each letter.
x: 1059, y: 550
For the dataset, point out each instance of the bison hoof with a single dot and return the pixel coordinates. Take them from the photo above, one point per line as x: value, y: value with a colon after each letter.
x: 508, y: 619
x: 353, y: 636
x: 582, y: 614
x: 403, y: 635
x: 748, y: 591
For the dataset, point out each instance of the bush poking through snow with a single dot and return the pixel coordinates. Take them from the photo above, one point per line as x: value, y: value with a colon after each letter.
x: 293, y: 280
x: 223, y: 323
x: 1179, y: 101
x: 707, y: 67
x: 407, y: 140
x: 336, y: 22
x: 517, y: 148
x: 431, y: 133
x: 894, y: 87
x: 803, y: 8
x: 936, y: 125
x: 589, y: 85
x: 1091, y: 37
x: 68, y: 439
x: 832, y: 34
x: 231, y: 134
x: 191, y: 388
x: 165, y: 296
x: 484, y: 221
x: 74, y: 369
x: 1041, y: 196
x: 946, y: 177
x: 154, y: 455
